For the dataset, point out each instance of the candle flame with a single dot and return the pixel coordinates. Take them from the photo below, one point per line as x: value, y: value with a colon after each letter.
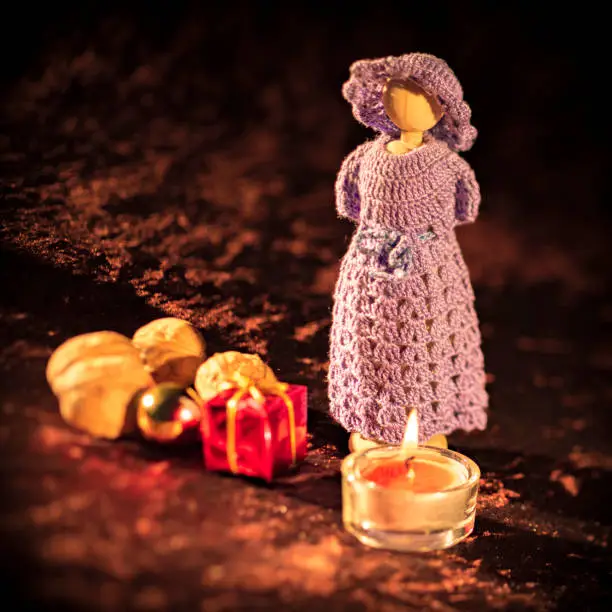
x: 411, y: 434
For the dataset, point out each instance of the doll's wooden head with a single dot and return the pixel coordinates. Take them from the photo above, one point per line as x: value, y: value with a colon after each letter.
x: 368, y: 78
x: 409, y: 106
x: 412, y: 110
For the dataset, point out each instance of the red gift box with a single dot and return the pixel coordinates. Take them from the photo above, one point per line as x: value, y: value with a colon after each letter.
x: 253, y: 436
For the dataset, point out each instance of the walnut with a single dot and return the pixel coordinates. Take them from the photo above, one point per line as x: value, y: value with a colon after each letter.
x: 96, y: 376
x: 223, y: 367
x: 172, y: 350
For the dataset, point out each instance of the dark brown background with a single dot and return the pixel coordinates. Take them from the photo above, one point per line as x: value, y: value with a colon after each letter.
x: 179, y: 159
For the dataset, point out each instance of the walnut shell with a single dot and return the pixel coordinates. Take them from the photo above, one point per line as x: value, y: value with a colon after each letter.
x: 95, y: 377
x: 77, y: 348
x: 171, y: 349
x: 221, y: 366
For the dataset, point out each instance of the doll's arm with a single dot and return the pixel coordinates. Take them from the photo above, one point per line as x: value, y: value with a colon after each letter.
x: 348, y: 201
x: 467, y: 195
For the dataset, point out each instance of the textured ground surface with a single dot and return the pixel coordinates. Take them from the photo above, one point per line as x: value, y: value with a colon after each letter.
x: 143, y: 176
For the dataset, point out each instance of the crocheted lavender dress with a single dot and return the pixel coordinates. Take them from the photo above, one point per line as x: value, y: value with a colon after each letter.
x: 405, y: 333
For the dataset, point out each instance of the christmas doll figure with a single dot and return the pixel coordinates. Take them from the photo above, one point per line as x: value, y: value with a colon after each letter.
x: 405, y: 332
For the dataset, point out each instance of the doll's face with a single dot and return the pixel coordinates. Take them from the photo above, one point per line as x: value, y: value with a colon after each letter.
x: 409, y: 107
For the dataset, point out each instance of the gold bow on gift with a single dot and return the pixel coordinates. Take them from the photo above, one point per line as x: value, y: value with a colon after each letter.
x: 249, y: 376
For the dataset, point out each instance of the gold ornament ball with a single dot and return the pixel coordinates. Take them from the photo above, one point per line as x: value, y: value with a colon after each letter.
x: 164, y: 412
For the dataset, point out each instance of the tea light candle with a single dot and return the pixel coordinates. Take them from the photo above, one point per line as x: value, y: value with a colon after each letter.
x: 409, y: 497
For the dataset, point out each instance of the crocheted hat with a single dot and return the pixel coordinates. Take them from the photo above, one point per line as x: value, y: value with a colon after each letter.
x: 364, y: 90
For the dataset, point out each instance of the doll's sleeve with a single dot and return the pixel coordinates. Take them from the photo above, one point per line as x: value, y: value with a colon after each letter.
x: 467, y: 194
x: 348, y: 201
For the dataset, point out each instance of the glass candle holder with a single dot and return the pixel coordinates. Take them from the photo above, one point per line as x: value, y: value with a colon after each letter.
x: 433, y: 509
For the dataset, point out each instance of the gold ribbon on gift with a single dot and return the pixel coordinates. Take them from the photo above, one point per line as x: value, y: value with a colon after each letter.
x: 256, y: 389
